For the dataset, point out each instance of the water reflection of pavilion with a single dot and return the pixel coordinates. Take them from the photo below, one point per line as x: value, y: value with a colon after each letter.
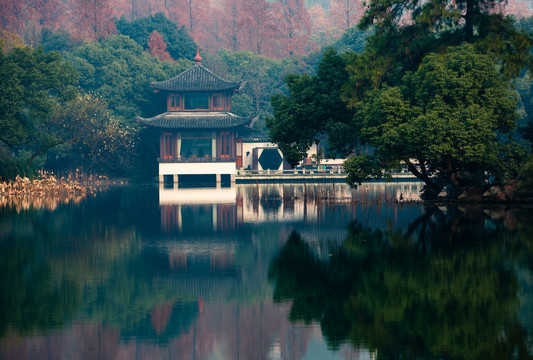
x: 206, y: 210
x: 203, y: 224
x: 198, y: 210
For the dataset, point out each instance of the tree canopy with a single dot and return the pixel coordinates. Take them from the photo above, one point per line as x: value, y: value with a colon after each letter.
x: 41, y: 110
x: 452, y: 117
x: 179, y: 44
x: 312, y: 108
x: 121, y: 71
x: 32, y: 81
x: 431, y: 88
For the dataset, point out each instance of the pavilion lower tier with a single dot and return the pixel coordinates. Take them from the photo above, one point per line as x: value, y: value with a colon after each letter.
x: 217, y: 170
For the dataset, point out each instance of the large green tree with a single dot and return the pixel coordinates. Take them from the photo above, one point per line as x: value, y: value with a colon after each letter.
x: 83, y: 133
x: 121, y: 71
x: 451, y: 120
x: 455, y: 116
x: 33, y: 81
x: 381, y: 88
x: 312, y: 108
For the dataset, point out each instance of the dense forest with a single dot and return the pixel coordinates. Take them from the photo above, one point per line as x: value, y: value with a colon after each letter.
x: 77, y: 73
x: 273, y: 28
x: 66, y: 64
x: 440, y: 89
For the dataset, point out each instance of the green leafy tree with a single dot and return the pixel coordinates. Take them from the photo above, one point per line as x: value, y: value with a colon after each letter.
x: 82, y: 133
x: 301, y: 124
x: 59, y: 40
x: 406, y: 32
x: 524, y: 186
x: 33, y: 80
x: 312, y: 108
x: 453, y: 118
x: 352, y: 40
x: 120, y: 71
x: 34, y: 83
x: 179, y: 44
x: 70, y: 122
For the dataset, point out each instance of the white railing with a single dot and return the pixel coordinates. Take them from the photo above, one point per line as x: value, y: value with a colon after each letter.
x: 194, y: 159
x: 296, y: 172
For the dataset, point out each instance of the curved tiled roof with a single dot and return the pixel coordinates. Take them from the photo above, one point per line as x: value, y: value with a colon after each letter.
x: 195, y: 120
x: 196, y: 78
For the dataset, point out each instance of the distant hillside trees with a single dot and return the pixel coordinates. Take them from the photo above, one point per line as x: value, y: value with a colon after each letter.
x: 121, y: 71
x: 431, y: 89
x: 179, y: 44
x: 273, y: 28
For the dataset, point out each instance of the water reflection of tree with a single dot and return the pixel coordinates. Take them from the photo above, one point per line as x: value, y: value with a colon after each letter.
x: 87, y: 261
x: 444, y: 288
x: 79, y: 260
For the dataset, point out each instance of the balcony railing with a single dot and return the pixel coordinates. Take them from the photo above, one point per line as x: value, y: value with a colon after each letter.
x: 295, y: 172
x: 195, y: 159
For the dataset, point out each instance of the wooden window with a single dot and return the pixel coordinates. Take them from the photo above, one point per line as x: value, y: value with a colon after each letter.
x: 197, y: 101
x: 196, y: 135
x: 196, y: 144
x: 167, y: 146
x: 174, y: 102
x: 225, y: 145
x: 218, y: 102
x: 228, y: 102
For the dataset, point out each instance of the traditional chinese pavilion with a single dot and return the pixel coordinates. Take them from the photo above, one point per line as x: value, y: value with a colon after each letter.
x: 198, y: 133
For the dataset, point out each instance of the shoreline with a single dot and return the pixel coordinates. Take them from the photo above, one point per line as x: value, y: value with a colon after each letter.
x: 47, y: 185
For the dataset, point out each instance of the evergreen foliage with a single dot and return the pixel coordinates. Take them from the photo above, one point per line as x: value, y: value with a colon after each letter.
x: 454, y: 116
x: 121, y: 71
x: 312, y: 108
x: 179, y: 44
x: 419, y: 94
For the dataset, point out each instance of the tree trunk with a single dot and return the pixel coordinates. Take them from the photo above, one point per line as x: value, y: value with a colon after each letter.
x: 434, y: 188
x: 469, y: 21
x: 190, y: 16
x: 45, y: 148
x: 35, y: 154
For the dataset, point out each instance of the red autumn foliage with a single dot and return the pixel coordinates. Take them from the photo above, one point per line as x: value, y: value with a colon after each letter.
x: 94, y: 19
x: 260, y: 29
x: 157, y: 46
x: 232, y: 23
x: 193, y: 14
x: 345, y: 13
x: 294, y: 28
x: 276, y: 28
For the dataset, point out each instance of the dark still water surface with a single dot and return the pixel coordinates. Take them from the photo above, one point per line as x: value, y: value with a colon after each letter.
x: 257, y: 272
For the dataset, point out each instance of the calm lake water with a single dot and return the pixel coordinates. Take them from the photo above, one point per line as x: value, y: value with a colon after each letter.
x: 259, y: 272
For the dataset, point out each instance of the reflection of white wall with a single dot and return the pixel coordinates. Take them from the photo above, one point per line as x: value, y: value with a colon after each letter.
x: 247, y: 198
x: 197, y: 196
x: 197, y: 168
x: 254, y: 211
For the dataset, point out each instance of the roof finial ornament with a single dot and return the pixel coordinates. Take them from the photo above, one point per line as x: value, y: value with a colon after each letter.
x: 197, y: 59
